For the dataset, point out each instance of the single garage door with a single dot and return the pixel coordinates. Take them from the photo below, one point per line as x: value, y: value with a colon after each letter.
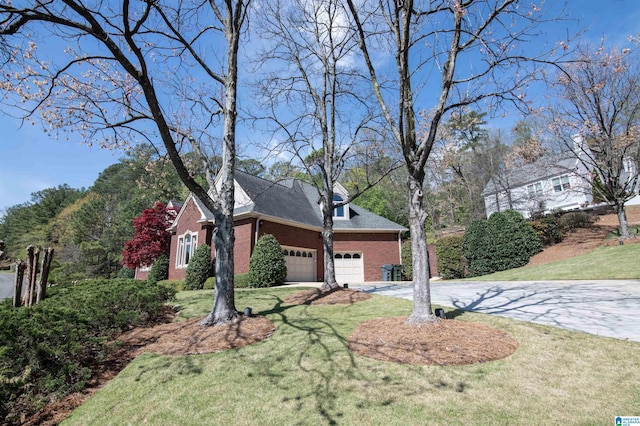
x: 349, y: 267
x: 301, y: 264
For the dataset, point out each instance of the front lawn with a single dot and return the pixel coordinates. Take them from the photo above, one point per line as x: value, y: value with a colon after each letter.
x: 304, y: 374
x: 605, y: 263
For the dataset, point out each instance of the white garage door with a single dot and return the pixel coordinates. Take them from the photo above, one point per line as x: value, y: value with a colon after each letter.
x: 349, y: 267
x: 301, y: 264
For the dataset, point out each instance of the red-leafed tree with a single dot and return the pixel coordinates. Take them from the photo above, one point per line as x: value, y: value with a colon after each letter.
x: 151, y: 238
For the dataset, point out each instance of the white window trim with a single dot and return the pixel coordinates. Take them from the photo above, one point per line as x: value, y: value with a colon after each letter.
x: 182, y: 248
x: 534, y: 189
x: 345, y: 207
x: 561, y: 183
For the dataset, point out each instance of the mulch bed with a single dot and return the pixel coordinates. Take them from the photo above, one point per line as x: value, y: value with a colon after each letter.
x: 443, y: 342
x: 336, y: 296
x: 188, y: 338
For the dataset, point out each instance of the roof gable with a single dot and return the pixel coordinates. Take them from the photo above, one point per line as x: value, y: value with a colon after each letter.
x: 293, y: 201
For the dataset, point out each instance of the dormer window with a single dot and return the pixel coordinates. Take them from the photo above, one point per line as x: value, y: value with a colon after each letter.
x: 340, y: 212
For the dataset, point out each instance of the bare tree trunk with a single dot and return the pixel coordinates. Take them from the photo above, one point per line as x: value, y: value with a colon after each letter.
x: 421, y: 290
x: 17, y: 287
x: 327, y: 243
x: 622, y: 220
x: 224, y: 308
x: 44, y: 274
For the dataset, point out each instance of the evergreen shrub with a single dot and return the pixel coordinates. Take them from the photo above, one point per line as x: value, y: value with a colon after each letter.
x: 159, y: 270
x: 450, y: 257
x: 241, y: 281
x: 126, y: 273
x: 199, y: 268
x: 574, y: 220
x: 505, y: 241
x: 407, y: 261
x: 476, y: 248
x: 548, y: 230
x: 267, y: 267
x: 48, y: 349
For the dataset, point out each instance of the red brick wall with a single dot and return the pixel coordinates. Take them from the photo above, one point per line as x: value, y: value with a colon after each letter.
x: 244, y: 231
x: 377, y: 250
x: 188, y: 222
x: 296, y: 237
x: 141, y: 275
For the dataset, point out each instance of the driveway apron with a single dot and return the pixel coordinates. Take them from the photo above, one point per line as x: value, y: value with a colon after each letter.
x: 605, y: 308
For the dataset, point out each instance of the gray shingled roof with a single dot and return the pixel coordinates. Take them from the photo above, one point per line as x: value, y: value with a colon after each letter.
x: 545, y: 168
x: 297, y: 201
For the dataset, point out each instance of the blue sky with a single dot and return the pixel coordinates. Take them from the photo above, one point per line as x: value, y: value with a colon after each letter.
x: 31, y: 161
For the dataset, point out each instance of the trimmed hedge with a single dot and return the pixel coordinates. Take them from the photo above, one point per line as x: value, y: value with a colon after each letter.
x: 199, y: 268
x: 505, y: 241
x: 47, y: 350
x: 450, y: 257
x: 267, y: 267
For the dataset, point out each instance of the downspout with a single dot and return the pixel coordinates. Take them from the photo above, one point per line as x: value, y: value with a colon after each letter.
x: 400, y: 246
x: 257, y: 232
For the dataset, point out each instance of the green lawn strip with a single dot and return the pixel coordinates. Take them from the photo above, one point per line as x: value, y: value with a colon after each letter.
x: 605, y: 263
x: 304, y: 374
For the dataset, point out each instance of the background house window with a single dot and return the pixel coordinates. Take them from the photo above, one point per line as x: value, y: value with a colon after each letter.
x: 187, y: 244
x: 561, y: 184
x: 535, y: 188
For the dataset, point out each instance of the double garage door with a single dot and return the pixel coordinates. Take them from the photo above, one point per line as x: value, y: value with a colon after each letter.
x: 349, y: 267
x: 301, y: 265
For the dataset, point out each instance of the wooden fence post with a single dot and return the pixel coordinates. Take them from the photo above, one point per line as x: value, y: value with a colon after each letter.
x: 44, y: 273
x: 30, y: 272
x: 17, y: 286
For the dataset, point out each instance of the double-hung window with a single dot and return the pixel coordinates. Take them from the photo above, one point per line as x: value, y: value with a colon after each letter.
x: 187, y: 244
x: 535, y: 189
x: 561, y: 183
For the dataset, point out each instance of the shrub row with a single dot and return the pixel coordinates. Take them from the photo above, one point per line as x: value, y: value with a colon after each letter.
x: 553, y: 228
x: 48, y: 350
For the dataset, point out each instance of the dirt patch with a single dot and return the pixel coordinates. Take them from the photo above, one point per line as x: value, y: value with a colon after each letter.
x: 584, y: 240
x: 337, y: 296
x: 445, y: 342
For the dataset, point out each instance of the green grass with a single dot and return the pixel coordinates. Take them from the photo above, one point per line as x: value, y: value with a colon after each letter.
x: 305, y: 375
x: 606, y: 263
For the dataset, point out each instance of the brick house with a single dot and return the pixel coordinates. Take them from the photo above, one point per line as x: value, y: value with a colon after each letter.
x: 290, y: 210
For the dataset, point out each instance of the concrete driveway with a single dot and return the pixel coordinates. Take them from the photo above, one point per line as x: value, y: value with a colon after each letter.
x: 606, y: 308
x: 6, y: 285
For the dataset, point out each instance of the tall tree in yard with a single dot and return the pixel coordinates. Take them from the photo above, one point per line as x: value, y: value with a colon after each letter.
x: 151, y: 239
x: 119, y: 73
x: 439, y: 39
x: 597, y: 116
x: 318, y: 111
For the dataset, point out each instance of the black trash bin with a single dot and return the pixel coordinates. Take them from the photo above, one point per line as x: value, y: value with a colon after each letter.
x: 396, y: 273
x: 387, y: 272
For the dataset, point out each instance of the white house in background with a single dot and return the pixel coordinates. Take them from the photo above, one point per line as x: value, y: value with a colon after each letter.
x: 560, y: 182
x: 551, y: 183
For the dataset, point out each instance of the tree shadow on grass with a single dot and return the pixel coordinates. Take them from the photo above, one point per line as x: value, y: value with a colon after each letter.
x: 329, y: 369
